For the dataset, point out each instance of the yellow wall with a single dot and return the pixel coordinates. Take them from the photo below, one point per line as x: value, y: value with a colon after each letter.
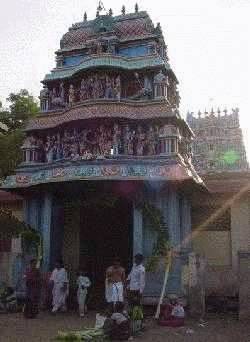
x: 240, y: 228
x: 215, y: 246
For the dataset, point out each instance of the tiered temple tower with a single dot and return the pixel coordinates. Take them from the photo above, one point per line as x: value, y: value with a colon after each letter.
x: 109, y: 124
x: 218, y: 144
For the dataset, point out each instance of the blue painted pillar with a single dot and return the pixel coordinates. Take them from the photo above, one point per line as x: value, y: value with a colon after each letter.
x: 174, y: 227
x: 186, y: 228
x: 46, y: 213
x: 173, y: 219
x: 137, y: 230
x: 26, y: 210
x: 31, y: 208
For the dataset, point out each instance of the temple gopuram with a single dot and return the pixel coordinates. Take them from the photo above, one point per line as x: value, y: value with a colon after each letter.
x: 218, y: 145
x: 109, y: 137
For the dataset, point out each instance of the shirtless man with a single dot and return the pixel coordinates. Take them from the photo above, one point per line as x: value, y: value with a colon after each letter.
x: 115, y: 278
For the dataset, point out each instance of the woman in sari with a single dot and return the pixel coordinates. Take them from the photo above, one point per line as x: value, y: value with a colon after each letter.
x: 33, y: 290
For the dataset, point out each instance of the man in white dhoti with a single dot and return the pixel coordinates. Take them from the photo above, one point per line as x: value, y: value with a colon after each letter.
x: 60, y: 291
x: 115, y: 278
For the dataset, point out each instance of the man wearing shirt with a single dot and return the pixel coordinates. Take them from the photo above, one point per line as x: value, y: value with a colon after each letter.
x: 136, y: 278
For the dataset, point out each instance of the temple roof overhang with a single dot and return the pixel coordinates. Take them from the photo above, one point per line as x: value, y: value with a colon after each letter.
x: 108, y: 61
x: 169, y: 169
x: 103, y: 108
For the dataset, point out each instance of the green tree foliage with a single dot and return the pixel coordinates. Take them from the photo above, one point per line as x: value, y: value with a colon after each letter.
x: 10, y: 153
x: 11, y: 227
x: 22, y: 106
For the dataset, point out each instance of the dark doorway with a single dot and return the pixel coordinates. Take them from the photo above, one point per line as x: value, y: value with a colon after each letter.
x: 105, y: 232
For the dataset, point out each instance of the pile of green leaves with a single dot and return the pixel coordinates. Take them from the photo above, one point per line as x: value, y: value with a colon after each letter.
x: 88, y: 334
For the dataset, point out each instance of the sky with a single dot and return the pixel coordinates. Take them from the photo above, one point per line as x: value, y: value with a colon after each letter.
x: 208, y: 45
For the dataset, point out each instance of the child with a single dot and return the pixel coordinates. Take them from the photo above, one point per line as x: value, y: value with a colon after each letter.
x: 83, y: 283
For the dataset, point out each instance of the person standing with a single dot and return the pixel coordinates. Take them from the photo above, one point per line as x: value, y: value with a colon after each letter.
x: 60, y: 291
x: 135, y: 287
x: 136, y: 278
x: 83, y: 283
x: 115, y: 279
x: 33, y: 290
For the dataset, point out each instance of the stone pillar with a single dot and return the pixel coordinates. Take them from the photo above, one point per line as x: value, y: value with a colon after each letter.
x: 173, y: 218
x: 196, y: 293
x: 46, y: 212
x: 186, y: 228
x: 244, y: 288
x: 137, y: 230
x: 31, y: 208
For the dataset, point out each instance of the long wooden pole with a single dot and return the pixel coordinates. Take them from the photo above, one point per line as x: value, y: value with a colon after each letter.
x: 167, y: 269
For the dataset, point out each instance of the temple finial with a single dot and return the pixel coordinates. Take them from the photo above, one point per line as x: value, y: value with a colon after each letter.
x: 110, y: 12
x: 123, y: 10
x: 100, y: 7
x: 158, y: 29
x: 85, y: 17
x: 136, y: 8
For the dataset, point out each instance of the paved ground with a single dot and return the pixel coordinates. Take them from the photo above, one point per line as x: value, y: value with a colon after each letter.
x: 14, y: 328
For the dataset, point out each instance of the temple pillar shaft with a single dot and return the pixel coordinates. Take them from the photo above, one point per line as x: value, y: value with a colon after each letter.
x: 46, y: 213
x: 31, y: 210
x: 186, y: 229
x: 173, y: 221
x: 137, y: 230
x: 174, y: 218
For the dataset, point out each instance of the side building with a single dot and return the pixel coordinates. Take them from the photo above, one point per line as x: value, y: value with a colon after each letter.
x: 221, y: 221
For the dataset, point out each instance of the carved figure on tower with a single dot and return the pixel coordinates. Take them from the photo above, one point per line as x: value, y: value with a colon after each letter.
x: 151, y: 141
x: 71, y: 95
x: 62, y: 92
x: 83, y: 90
x: 129, y: 137
x: 109, y: 89
x: 117, y: 88
x: 140, y: 141
x: 117, y: 139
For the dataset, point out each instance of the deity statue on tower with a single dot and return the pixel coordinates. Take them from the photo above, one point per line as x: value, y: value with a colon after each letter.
x: 129, y: 136
x: 116, y: 139
x: 71, y: 95
x: 140, y: 137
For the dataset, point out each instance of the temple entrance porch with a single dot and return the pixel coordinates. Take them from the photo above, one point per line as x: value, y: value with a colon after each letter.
x: 87, y: 223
